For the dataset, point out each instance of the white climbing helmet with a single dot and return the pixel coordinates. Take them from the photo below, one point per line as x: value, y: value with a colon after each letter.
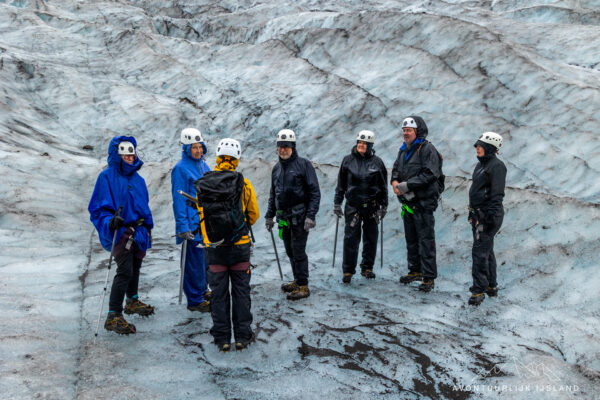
x: 126, y: 149
x: 409, y: 123
x: 366, y: 136
x: 286, y: 135
x: 191, y: 136
x: 491, y: 138
x: 229, y: 147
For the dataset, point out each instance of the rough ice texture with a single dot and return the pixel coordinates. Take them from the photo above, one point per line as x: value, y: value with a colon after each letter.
x: 76, y: 73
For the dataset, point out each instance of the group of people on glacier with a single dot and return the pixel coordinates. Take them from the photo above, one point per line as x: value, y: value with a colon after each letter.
x: 213, y: 222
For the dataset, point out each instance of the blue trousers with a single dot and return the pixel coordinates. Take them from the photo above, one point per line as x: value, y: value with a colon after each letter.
x: 194, y: 278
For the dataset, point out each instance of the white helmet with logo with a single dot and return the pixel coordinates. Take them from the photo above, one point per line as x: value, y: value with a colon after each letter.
x: 229, y: 147
x: 409, y: 123
x: 126, y: 149
x: 491, y: 138
x: 191, y: 136
x: 366, y: 136
x: 286, y: 135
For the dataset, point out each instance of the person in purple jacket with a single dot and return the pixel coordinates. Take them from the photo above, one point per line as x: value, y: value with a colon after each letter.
x: 120, y: 203
x: 190, y: 168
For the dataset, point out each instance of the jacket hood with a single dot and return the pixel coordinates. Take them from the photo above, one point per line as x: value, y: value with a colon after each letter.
x: 185, y: 153
x: 422, y: 130
x: 115, y: 160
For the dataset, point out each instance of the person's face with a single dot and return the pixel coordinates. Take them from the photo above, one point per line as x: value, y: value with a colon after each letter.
x: 196, y: 151
x: 361, y: 147
x: 410, y: 134
x: 128, y: 158
x: 480, y: 151
x: 284, y: 152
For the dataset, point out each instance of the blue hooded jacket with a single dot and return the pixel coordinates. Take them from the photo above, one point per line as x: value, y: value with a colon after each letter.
x: 183, y: 176
x: 119, y: 185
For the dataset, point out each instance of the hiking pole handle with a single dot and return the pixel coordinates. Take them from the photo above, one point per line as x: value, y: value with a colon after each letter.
x: 337, y: 224
x: 110, y: 258
x: 187, y: 196
x: 276, y: 255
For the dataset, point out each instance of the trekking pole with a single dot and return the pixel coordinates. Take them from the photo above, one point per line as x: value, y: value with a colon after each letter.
x: 110, y: 258
x: 182, y: 266
x: 276, y: 255
x: 381, y: 244
x: 337, y: 224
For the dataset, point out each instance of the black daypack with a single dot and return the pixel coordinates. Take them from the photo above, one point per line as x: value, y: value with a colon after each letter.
x: 442, y: 178
x: 219, y: 193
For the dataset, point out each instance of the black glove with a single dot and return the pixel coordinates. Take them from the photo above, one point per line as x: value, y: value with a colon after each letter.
x: 116, y: 222
x: 269, y: 224
x: 472, y: 217
x: 381, y: 213
x: 337, y: 210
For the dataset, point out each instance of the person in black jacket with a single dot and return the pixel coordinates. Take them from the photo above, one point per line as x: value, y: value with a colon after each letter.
x: 294, y: 200
x: 362, y: 179
x: 486, y: 214
x: 416, y: 181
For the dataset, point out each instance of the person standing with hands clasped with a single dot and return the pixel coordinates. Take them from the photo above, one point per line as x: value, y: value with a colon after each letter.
x: 486, y: 214
x: 294, y: 200
x: 190, y: 168
x: 418, y: 181
x: 362, y: 180
x: 119, y: 188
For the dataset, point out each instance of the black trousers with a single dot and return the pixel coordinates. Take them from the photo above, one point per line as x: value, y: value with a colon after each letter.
x: 230, y: 265
x: 294, y: 240
x: 368, y: 225
x: 419, y: 231
x: 484, y: 259
x: 126, y: 279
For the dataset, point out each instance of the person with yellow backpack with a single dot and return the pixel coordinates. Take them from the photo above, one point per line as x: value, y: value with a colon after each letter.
x: 227, y: 205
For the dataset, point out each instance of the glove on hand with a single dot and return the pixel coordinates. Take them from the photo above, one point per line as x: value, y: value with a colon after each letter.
x: 116, y: 222
x: 309, y: 224
x: 381, y: 213
x: 269, y: 224
x: 402, y: 187
x: 472, y: 218
x: 188, y: 235
x: 337, y: 210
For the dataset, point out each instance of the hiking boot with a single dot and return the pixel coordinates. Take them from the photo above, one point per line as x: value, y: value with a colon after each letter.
x: 427, y: 286
x: 208, y: 295
x: 347, y: 277
x: 243, y: 344
x: 476, y: 299
x: 224, y: 347
x: 116, y: 323
x: 492, y: 291
x: 201, y: 307
x: 411, y: 277
x: 289, y: 287
x: 300, y: 293
x: 367, y: 273
x: 135, y: 306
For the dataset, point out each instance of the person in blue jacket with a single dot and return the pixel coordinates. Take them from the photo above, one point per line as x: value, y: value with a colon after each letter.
x: 190, y: 168
x: 120, y: 203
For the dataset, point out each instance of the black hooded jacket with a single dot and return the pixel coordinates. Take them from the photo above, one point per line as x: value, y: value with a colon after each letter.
x: 487, y: 190
x: 294, y: 182
x: 419, y: 166
x: 362, y: 179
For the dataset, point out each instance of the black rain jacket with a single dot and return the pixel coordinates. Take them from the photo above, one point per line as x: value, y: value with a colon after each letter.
x: 362, y: 179
x: 487, y: 190
x: 294, y: 182
x: 420, y: 169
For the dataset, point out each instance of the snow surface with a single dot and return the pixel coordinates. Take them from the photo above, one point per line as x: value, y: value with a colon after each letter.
x: 75, y: 73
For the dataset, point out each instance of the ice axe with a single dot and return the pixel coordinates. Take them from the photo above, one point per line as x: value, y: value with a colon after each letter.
x: 110, y: 258
x: 337, y: 224
x: 276, y: 255
x: 381, y: 245
x: 182, y: 267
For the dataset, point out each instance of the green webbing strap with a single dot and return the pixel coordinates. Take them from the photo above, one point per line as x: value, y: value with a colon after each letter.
x: 406, y: 208
x: 282, y: 223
